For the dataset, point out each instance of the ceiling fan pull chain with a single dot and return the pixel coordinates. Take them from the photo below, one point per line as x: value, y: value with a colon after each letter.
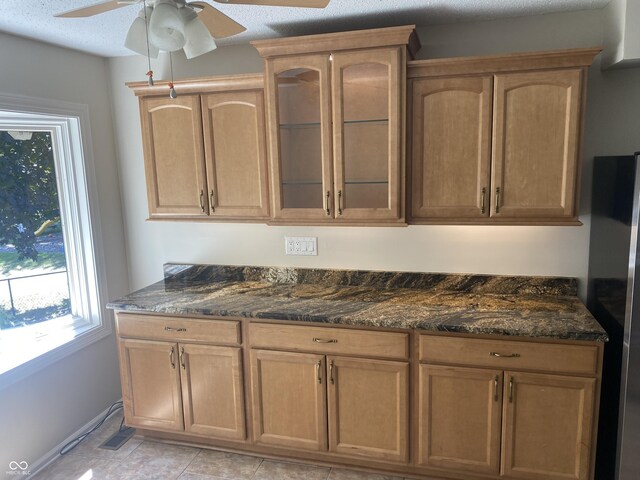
x: 146, y: 31
x: 172, y: 90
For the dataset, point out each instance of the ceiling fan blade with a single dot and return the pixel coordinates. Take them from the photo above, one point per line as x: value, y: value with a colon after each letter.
x: 217, y: 22
x: 92, y: 10
x: 281, y: 3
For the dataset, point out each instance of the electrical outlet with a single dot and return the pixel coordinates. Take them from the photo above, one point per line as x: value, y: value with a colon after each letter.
x: 301, y: 245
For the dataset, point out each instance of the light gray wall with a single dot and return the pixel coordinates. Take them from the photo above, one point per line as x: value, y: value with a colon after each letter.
x: 42, y: 410
x: 612, y: 101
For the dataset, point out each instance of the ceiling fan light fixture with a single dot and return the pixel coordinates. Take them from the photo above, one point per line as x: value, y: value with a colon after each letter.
x: 199, y: 39
x: 167, y: 27
x: 137, y: 37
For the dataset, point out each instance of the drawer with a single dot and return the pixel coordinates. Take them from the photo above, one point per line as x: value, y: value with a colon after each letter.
x: 579, y: 359
x: 158, y: 327
x: 329, y: 340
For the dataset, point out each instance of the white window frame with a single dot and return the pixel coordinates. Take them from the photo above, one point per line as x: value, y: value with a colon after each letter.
x: 89, y: 321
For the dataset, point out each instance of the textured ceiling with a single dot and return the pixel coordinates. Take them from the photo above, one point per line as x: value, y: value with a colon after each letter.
x: 104, y: 34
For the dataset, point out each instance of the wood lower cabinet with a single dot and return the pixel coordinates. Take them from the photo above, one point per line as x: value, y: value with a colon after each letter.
x: 547, y: 426
x: 508, y: 423
x: 459, y: 418
x: 212, y: 391
x: 497, y: 139
x: 205, y: 151
x: 402, y: 403
x: 151, y: 384
x: 368, y: 408
x: 289, y: 396
x: 183, y: 387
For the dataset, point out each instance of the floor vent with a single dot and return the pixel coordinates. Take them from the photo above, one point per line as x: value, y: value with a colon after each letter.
x: 118, y: 439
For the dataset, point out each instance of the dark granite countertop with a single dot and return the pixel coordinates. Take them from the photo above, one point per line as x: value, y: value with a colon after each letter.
x: 541, y: 307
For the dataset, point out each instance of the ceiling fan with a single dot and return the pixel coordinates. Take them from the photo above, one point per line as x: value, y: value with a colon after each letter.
x: 171, y: 25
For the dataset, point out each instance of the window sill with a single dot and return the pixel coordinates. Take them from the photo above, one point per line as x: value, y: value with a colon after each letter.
x: 25, y: 350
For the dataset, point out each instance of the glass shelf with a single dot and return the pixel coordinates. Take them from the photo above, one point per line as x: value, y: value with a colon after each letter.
x: 303, y: 182
x: 373, y: 120
x: 366, y: 182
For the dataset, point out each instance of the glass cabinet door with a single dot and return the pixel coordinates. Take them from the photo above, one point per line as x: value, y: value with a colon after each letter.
x: 367, y: 134
x: 302, y: 143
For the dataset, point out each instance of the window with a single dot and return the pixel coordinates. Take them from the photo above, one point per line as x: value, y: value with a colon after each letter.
x: 50, y: 307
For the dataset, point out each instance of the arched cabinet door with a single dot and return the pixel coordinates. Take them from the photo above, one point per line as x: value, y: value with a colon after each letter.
x: 451, y: 147
x: 536, y: 144
x: 367, y: 133
x: 300, y: 137
x: 235, y: 152
x: 174, y: 158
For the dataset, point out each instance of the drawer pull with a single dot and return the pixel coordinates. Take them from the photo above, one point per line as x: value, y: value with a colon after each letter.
x: 325, y: 340
x: 173, y: 363
x: 171, y: 329
x: 511, y: 355
x: 318, y: 365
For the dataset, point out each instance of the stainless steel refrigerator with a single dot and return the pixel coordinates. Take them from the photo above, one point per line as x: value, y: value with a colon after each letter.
x: 614, y: 299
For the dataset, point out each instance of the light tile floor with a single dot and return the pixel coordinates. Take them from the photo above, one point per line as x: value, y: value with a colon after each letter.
x: 145, y: 459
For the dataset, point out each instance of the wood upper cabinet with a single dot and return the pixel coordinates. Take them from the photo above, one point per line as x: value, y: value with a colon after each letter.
x: 174, y: 157
x: 289, y: 397
x: 451, y: 143
x: 497, y: 139
x: 547, y: 429
x: 535, y: 143
x: 335, y: 108
x: 151, y: 384
x: 368, y: 408
x: 205, y: 151
x: 459, y: 418
x: 236, y: 154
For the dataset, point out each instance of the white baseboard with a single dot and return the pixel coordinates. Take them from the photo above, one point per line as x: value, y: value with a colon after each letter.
x: 54, y: 453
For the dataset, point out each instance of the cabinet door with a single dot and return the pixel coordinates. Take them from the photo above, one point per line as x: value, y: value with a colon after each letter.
x: 547, y: 426
x: 150, y: 384
x: 174, y: 157
x: 459, y: 418
x: 535, y: 144
x: 289, y: 399
x: 451, y: 147
x: 212, y: 391
x: 298, y: 106
x: 368, y: 133
x: 368, y: 408
x: 234, y: 140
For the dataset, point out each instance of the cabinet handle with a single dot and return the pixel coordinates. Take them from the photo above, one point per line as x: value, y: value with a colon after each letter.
x: 202, y: 200
x: 213, y: 200
x: 496, y: 383
x: 339, y: 202
x: 331, y: 372
x: 511, y: 390
x: 511, y: 355
x: 326, y: 203
x: 325, y: 340
x: 318, y: 371
x: 182, y: 358
x: 497, y: 199
x: 482, y: 199
x: 171, y: 329
x: 173, y: 363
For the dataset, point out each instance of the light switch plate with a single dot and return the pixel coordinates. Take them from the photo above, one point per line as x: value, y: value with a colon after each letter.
x: 301, y: 245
